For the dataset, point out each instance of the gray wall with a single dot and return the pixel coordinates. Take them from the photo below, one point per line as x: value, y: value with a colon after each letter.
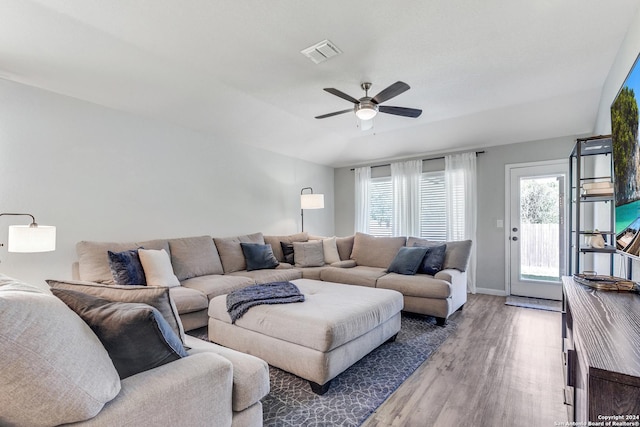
x: 491, y: 204
x: 100, y: 174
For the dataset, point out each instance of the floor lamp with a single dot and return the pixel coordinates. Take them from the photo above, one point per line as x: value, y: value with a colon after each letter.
x: 32, y: 237
x: 310, y: 201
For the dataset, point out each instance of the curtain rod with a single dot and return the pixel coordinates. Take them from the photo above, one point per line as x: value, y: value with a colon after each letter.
x: 424, y: 160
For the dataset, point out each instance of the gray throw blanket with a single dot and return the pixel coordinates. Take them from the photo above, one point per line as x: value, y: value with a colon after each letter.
x: 238, y: 302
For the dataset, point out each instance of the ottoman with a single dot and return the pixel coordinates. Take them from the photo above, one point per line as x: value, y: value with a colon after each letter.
x: 316, y: 339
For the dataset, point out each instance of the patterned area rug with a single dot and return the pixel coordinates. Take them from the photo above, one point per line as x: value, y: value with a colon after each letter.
x: 537, y: 303
x: 358, y: 391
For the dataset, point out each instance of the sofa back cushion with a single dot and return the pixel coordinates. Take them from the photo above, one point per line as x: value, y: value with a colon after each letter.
x: 231, y: 253
x: 194, y: 257
x: 275, y: 242
x: 372, y: 251
x: 345, y: 247
x: 54, y: 368
x: 456, y: 255
x: 93, y: 257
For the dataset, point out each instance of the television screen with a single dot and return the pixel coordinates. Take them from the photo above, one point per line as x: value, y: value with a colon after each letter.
x: 626, y: 162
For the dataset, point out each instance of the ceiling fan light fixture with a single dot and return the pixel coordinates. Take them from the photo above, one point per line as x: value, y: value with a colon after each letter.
x: 366, y: 110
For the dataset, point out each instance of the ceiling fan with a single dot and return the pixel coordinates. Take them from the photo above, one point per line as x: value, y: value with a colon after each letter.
x: 366, y: 107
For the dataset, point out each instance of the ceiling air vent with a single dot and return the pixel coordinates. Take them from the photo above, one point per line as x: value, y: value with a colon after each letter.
x: 322, y: 51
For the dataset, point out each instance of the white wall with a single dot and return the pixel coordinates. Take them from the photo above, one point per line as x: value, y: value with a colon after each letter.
x: 629, y: 51
x: 491, y: 204
x: 100, y: 174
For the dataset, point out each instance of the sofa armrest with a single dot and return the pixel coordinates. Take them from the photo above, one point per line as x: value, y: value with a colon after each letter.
x: 347, y: 263
x: 194, y: 390
x: 451, y: 275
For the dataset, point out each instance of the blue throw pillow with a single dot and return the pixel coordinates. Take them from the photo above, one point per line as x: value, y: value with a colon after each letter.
x: 407, y: 260
x: 433, y: 259
x: 135, y: 335
x: 126, y: 268
x: 258, y: 257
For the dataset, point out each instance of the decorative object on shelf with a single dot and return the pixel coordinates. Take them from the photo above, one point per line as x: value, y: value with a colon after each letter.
x: 310, y: 201
x: 597, y: 189
x: 605, y: 283
x: 594, y: 239
x: 32, y: 237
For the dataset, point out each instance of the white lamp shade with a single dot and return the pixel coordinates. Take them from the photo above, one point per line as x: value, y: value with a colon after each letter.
x: 312, y: 201
x: 23, y: 238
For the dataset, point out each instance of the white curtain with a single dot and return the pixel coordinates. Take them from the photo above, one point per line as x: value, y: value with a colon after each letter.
x: 362, y: 181
x: 405, y: 182
x: 460, y: 181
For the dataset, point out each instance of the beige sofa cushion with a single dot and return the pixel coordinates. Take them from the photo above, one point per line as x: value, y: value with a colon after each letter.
x: 457, y: 254
x: 268, y: 276
x: 94, y: 261
x: 360, y: 275
x: 419, y: 285
x: 54, y: 368
x: 194, y: 256
x: 274, y: 241
x: 214, y: 285
x: 231, y: 253
x: 188, y: 300
x: 250, y: 374
x: 372, y: 251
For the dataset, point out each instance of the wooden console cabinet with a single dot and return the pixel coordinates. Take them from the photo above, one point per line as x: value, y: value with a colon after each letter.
x: 601, y: 345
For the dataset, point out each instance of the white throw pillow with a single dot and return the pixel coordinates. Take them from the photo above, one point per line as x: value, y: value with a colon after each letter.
x: 330, y: 249
x: 157, y: 268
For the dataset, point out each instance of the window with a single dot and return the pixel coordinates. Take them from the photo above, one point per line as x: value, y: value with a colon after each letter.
x: 432, y: 211
x: 433, y: 218
x: 380, y: 207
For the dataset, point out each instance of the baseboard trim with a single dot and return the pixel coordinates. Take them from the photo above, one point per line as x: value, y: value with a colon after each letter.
x: 495, y: 292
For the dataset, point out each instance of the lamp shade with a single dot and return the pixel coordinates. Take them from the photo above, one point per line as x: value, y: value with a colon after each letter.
x: 25, y: 238
x: 311, y: 201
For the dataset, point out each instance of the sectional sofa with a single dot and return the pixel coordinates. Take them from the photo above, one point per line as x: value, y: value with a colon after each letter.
x: 55, y: 369
x: 207, y: 267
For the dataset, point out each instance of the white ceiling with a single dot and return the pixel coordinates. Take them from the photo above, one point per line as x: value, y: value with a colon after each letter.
x: 484, y: 72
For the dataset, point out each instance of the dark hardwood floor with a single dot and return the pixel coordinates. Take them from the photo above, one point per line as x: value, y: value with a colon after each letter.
x: 501, y: 367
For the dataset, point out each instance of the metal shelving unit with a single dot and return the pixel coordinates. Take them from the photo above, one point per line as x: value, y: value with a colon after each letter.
x: 587, y: 147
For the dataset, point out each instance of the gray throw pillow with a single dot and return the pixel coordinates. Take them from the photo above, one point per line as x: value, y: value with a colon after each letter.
x: 258, y: 257
x: 135, y: 335
x: 308, y: 254
x: 157, y: 297
x: 407, y: 260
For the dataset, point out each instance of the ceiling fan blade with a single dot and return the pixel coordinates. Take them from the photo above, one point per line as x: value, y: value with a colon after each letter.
x: 400, y: 111
x: 341, y: 94
x: 392, y: 91
x: 324, y: 116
